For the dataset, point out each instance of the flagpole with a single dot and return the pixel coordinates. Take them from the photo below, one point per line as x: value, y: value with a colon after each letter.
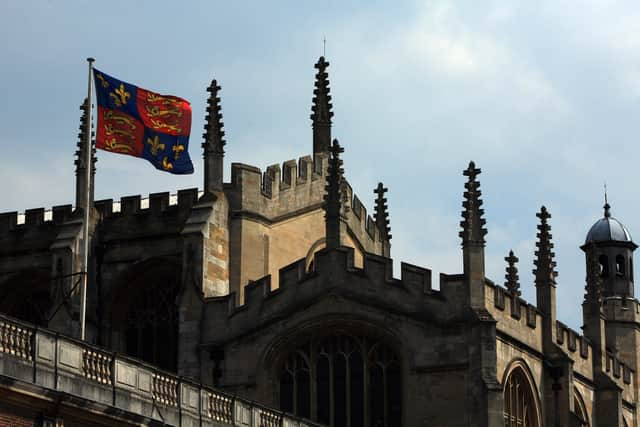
x: 87, y: 207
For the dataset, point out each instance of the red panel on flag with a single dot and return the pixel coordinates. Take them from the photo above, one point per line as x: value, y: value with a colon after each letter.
x: 119, y: 132
x: 162, y: 113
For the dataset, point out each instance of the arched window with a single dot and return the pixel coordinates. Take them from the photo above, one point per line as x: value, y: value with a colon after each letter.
x: 519, y: 401
x: 310, y: 257
x: 26, y: 296
x: 604, y: 265
x: 295, y: 383
x: 343, y: 381
x: 620, y: 265
x: 146, y: 315
x: 579, y: 410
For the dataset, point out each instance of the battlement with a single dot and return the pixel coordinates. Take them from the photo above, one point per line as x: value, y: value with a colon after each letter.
x: 621, y: 374
x: 284, y: 190
x: 517, y: 308
x: 127, y: 205
x: 34, y: 218
x: 37, y: 229
x: 154, y: 204
x: 572, y: 341
x: 360, y: 223
x: 513, y: 314
x: 618, y: 369
x: 32, y: 231
x: 334, y: 270
x: 278, y: 190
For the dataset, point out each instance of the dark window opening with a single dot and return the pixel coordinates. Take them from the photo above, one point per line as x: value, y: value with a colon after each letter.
x: 357, y: 389
x: 146, y: 313
x: 519, y: 401
x: 26, y: 296
x: 620, y: 266
x: 340, y: 390
x: 346, y: 370
x: 324, y: 395
x: 286, y: 392
x: 604, y: 265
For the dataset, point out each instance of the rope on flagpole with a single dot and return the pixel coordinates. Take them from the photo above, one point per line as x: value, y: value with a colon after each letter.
x: 87, y: 207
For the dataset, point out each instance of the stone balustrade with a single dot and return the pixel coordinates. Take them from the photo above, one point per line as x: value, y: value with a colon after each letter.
x: 32, y: 356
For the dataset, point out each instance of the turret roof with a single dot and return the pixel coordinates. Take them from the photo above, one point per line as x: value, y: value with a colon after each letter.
x: 608, y: 229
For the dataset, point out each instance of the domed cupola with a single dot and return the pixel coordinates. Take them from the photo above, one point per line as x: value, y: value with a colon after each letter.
x: 608, y: 229
x: 613, y: 247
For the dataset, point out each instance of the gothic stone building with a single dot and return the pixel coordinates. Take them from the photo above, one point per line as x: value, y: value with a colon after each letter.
x: 277, y: 288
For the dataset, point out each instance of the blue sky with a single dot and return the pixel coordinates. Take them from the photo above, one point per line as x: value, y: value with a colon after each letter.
x: 543, y: 96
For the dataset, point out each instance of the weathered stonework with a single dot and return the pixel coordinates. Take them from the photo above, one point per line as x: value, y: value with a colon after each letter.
x: 263, y: 290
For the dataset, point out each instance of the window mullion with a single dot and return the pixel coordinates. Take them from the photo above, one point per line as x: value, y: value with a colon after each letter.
x: 331, y: 392
x: 313, y: 386
x: 348, y: 387
x: 385, y: 393
x: 365, y: 379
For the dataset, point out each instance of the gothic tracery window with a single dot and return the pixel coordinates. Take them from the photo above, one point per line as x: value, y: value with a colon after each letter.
x: 343, y: 380
x: 147, y: 314
x: 519, y: 401
x: 26, y: 296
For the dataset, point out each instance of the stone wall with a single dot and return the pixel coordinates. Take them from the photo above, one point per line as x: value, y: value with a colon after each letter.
x: 429, y: 333
x: 276, y: 218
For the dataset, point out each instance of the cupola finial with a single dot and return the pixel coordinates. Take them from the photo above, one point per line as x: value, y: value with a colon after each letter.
x: 607, y: 206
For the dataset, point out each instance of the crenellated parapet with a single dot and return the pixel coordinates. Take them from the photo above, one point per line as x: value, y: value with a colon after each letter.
x: 32, y: 230
x: 153, y: 204
x: 334, y: 273
x: 277, y: 191
x: 282, y: 191
x: 362, y: 224
x: 41, y: 230
x: 35, y: 217
x: 572, y: 342
x: 160, y: 204
x: 580, y: 349
x: 514, y: 315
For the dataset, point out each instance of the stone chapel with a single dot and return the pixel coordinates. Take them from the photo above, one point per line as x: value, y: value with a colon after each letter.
x: 270, y: 300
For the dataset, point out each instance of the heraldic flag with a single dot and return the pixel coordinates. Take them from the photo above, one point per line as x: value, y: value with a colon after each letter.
x: 141, y: 123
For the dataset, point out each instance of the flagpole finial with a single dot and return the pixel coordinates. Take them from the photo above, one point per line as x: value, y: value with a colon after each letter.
x: 90, y: 60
